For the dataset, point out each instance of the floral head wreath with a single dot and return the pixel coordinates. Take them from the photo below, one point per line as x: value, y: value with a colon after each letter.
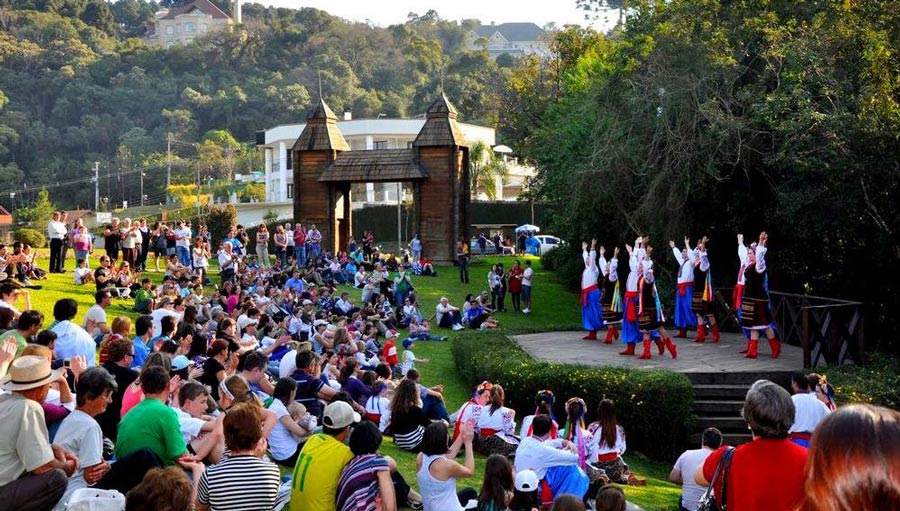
x: 485, y: 385
x: 546, y: 396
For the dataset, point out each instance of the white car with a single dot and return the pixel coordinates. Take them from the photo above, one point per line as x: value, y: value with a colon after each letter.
x: 548, y: 242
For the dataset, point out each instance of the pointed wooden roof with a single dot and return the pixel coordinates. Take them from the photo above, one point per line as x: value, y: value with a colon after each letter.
x: 376, y: 166
x: 321, y: 132
x: 441, y: 128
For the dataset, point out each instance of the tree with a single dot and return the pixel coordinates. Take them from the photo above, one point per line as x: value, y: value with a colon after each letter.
x: 484, y: 169
x: 39, y: 213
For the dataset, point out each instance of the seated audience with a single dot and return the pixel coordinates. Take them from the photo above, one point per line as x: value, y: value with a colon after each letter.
x: 437, y: 469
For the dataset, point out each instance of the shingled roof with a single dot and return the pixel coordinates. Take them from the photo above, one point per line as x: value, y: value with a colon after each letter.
x: 204, y: 6
x: 441, y: 128
x: 321, y: 132
x: 512, y: 31
x: 378, y: 166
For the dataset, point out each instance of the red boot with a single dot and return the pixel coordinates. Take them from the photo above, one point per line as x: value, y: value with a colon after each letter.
x: 751, y: 349
x: 646, y: 354
x: 715, y: 333
x: 615, y: 332
x: 682, y: 333
x: 775, y: 344
x: 701, y: 333
x: 609, y: 336
x: 672, y: 349
x: 661, y: 346
x: 629, y: 349
x: 592, y: 336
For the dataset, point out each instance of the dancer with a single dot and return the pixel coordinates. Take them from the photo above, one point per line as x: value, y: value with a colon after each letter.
x: 650, y: 315
x: 610, y: 297
x: 591, y: 310
x: 738, y: 293
x: 630, y: 331
x: 684, y: 315
x: 703, y: 302
x: 755, y: 312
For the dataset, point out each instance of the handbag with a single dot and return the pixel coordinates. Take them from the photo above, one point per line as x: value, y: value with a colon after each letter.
x: 708, y: 500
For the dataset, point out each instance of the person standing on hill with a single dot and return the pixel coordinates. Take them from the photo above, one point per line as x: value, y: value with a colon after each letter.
x: 462, y: 258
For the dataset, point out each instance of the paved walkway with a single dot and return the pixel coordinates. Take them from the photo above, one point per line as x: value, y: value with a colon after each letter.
x: 568, y: 348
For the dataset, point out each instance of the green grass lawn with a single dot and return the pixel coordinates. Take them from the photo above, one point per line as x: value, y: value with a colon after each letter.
x: 554, y: 308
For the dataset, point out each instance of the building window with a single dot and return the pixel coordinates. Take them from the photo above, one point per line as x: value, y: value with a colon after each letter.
x: 380, y: 144
x: 290, y: 190
x: 170, y: 29
x: 289, y: 159
x: 189, y: 28
x: 203, y: 27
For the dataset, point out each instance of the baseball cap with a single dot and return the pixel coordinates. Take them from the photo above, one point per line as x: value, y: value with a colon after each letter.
x: 339, y: 415
x: 526, y: 480
x: 408, y: 342
x: 307, y: 302
x: 390, y: 334
x: 320, y: 322
x: 180, y: 362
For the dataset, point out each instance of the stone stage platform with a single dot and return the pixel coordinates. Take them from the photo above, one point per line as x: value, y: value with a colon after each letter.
x: 693, y: 359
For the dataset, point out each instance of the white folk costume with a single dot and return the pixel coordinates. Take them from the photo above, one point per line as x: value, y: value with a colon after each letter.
x: 631, y: 333
x: 609, y: 457
x: 611, y: 297
x: 703, y: 299
x: 755, y: 312
x: 684, y: 314
x: 591, y: 309
x: 497, y: 429
x: 650, y: 313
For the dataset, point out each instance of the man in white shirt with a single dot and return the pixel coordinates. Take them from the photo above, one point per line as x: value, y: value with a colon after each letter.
x: 527, y: 275
x: 56, y: 233
x: 95, y: 318
x: 688, y: 463
x: 227, y: 261
x: 808, y: 411
x: 447, y: 315
x: 71, y: 339
x: 345, y: 305
x: 164, y: 308
x: 554, y: 461
x: 183, y: 243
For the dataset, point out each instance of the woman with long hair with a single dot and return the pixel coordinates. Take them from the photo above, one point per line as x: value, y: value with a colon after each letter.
x: 217, y: 366
x: 853, y: 460
x: 496, y: 425
x: 608, y: 444
x: 234, y: 391
x: 284, y: 439
x: 133, y: 393
x: 497, y: 488
x: 350, y: 382
x: 543, y: 403
x: 408, y: 421
x: 437, y: 468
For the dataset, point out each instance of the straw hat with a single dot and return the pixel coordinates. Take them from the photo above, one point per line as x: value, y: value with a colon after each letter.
x: 29, y: 372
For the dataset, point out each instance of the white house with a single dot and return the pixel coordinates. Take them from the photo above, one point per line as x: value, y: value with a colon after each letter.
x: 181, y: 25
x: 361, y: 134
x: 510, y: 38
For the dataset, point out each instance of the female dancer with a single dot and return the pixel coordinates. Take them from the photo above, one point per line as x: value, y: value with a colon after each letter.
x: 650, y: 315
x: 591, y: 310
x: 755, y: 312
x: 703, y: 302
x: 610, y: 297
x: 684, y: 315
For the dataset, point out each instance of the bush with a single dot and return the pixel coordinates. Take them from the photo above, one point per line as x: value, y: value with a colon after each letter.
x: 653, y: 405
x: 566, y: 265
x: 30, y: 236
x: 877, y: 383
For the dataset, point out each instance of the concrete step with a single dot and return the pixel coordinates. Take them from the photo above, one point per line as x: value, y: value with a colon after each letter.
x: 716, y: 407
x: 727, y: 438
x: 739, y: 378
x: 725, y: 424
x: 722, y: 392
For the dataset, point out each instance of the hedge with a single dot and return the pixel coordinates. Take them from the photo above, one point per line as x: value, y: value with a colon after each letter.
x: 31, y: 237
x: 652, y: 405
x: 877, y: 383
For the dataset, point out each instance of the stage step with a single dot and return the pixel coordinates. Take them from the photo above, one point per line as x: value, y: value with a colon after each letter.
x: 717, y: 407
x: 746, y: 379
x: 720, y: 392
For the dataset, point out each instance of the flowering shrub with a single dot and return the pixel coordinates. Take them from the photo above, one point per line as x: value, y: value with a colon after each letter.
x: 652, y: 405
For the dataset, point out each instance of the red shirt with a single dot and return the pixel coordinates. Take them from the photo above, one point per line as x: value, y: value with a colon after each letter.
x: 389, y: 352
x: 765, y: 475
x: 299, y: 238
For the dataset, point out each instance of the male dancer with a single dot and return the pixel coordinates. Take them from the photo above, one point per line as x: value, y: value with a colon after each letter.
x: 610, y: 297
x: 684, y: 315
x: 704, y: 301
x: 591, y: 310
x: 755, y: 312
x: 630, y: 331
x: 650, y: 316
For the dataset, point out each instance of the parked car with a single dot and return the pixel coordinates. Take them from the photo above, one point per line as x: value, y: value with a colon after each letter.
x: 489, y: 248
x: 548, y: 242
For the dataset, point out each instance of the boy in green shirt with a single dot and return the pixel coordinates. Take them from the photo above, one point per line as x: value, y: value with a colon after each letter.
x: 143, y: 299
x: 151, y: 424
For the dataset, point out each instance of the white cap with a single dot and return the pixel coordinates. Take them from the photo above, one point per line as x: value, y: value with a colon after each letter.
x: 339, y: 415
x: 526, y: 480
x: 320, y: 322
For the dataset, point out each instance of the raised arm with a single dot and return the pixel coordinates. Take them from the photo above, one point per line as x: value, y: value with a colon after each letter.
x: 676, y: 253
x: 742, y: 249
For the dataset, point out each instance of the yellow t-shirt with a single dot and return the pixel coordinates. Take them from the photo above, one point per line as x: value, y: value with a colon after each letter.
x: 316, y: 475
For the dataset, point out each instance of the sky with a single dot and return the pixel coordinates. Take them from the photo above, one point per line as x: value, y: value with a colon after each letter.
x: 388, y: 12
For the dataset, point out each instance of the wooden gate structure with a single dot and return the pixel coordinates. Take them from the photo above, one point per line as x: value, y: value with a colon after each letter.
x: 437, y: 165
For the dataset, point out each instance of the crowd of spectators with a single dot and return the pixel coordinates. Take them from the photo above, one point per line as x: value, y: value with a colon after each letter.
x: 207, y: 398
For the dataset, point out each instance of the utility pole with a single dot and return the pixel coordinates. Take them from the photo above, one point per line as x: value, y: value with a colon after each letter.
x: 399, y: 223
x: 96, y: 186
x: 142, y: 187
x: 168, y: 164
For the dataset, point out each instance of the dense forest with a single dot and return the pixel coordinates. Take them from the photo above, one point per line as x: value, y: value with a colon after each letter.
x: 723, y: 117
x: 78, y: 85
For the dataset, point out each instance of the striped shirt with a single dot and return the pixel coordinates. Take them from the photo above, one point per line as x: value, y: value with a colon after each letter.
x: 358, y: 485
x: 241, y: 483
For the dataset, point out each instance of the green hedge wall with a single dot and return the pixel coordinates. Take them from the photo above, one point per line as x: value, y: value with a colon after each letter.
x: 877, y: 383
x: 652, y: 405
